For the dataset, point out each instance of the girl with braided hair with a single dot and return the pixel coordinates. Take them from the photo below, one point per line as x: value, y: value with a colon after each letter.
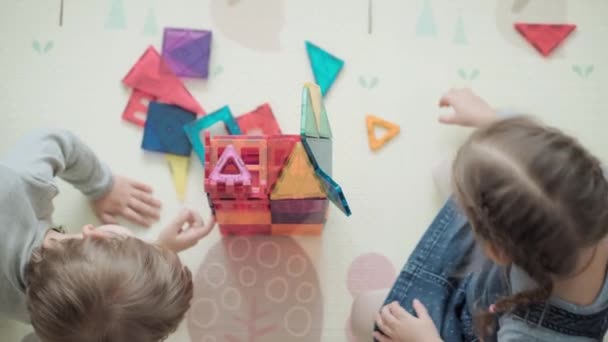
x: 535, y: 202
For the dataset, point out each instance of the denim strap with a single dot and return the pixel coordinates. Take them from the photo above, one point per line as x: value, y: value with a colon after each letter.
x: 550, y: 317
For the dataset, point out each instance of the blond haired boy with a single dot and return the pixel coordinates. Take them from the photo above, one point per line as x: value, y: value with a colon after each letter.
x: 102, y: 284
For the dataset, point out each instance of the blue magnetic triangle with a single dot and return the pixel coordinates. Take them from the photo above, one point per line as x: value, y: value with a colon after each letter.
x: 334, y: 192
x: 319, y: 152
x: 332, y: 189
x: 325, y: 66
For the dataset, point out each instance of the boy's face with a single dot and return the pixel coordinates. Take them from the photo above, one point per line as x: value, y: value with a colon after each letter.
x: 90, y: 231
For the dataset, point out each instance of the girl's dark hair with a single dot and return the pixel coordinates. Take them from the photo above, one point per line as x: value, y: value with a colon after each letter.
x: 536, y: 195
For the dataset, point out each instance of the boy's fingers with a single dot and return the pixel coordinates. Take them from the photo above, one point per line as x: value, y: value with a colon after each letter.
x: 445, y: 101
x: 141, y: 186
x: 197, y: 220
x: 147, y: 198
x: 108, y: 219
x: 135, y: 217
x: 398, y: 311
x: 210, y: 224
x: 191, y: 218
x: 381, y: 338
x: 421, y: 311
x: 448, y: 118
x: 144, y: 209
x: 178, y: 222
x: 382, y: 325
x: 205, y: 228
x: 191, y: 236
x: 199, y: 231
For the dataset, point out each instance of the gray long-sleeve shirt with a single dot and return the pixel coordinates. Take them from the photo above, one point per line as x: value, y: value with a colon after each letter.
x: 27, y: 190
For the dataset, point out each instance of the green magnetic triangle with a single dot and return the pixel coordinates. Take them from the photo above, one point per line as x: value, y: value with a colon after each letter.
x: 308, y: 123
x: 320, y: 113
x: 325, y: 66
x: 324, y: 127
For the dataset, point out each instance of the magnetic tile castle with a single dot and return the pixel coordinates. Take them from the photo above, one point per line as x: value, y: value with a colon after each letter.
x: 274, y: 184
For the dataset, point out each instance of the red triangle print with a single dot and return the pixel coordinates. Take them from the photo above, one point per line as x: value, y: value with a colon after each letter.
x: 545, y: 37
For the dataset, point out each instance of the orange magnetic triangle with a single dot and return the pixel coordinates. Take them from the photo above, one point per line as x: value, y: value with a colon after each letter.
x: 372, y: 122
x: 545, y: 37
x: 298, y: 178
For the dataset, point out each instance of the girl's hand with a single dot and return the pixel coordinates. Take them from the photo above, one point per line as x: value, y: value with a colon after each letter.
x: 399, y: 325
x: 469, y: 109
x: 129, y: 199
x: 185, y: 231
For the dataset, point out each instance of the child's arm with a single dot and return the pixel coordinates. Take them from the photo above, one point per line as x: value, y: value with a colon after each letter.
x: 44, y: 155
x: 469, y: 109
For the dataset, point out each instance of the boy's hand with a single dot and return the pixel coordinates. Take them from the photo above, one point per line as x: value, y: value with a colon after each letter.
x: 185, y: 231
x: 469, y: 109
x: 130, y: 199
x: 399, y: 325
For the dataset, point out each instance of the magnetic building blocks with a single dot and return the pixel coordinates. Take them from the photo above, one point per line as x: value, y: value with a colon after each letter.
x: 187, y: 51
x: 273, y: 184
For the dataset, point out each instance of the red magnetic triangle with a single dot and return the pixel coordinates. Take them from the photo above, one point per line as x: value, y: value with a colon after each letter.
x: 544, y: 37
x: 152, y: 75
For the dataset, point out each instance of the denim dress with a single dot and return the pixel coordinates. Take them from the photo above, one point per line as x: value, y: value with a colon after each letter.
x: 439, y: 274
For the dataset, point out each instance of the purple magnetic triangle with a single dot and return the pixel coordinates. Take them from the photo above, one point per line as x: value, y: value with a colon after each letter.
x: 244, y: 176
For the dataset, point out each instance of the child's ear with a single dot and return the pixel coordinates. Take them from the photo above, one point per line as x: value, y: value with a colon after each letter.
x: 497, y: 254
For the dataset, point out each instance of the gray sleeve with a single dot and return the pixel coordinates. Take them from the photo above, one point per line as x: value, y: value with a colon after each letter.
x: 43, y: 155
x: 511, y: 334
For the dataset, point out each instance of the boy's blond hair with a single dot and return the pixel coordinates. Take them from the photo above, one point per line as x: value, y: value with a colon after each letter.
x: 115, y: 289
